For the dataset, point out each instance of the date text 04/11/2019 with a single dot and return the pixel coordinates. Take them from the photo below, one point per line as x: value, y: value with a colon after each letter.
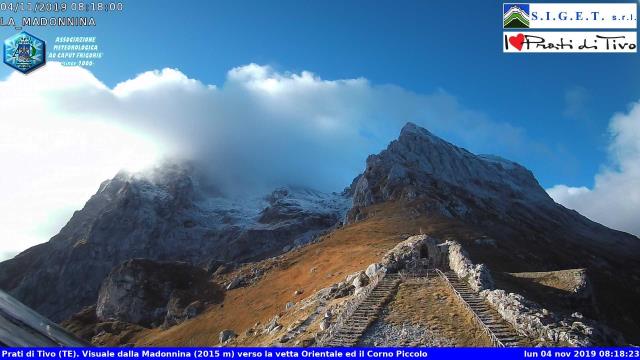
x: 55, y: 6
x: 583, y: 353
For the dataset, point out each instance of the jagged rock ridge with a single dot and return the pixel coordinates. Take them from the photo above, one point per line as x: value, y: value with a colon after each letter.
x: 166, y: 214
x: 419, y: 164
x: 503, y: 200
x: 170, y: 215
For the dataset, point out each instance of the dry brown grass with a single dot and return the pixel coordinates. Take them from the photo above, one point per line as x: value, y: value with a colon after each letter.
x: 564, y: 280
x: 340, y: 253
x: 432, y: 305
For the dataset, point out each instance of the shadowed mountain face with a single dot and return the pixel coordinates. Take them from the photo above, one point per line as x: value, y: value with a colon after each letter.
x: 161, y: 215
x: 168, y: 215
x: 503, y: 200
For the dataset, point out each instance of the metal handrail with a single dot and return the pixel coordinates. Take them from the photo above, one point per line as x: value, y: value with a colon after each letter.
x: 487, y: 330
x: 350, y: 308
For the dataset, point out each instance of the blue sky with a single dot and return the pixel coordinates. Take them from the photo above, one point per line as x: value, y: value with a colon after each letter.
x: 408, y: 43
x: 560, y: 105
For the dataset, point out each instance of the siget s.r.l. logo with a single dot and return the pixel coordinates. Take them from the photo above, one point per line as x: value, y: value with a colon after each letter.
x: 515, y: 16
x: 24, y: 52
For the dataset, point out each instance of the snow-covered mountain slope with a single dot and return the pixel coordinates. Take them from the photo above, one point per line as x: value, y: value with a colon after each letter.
x: 164, y: 214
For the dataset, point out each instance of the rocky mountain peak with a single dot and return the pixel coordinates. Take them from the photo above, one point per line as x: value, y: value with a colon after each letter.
x: 410, y: 130
x: 167, y: 213
x: 419, y: 164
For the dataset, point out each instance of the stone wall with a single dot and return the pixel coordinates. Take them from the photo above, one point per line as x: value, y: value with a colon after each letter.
x: 527, y: 317
x: 478, y: 276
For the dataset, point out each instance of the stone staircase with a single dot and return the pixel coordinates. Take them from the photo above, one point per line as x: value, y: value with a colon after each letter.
x: 348, y: 334
x: 498, y: 330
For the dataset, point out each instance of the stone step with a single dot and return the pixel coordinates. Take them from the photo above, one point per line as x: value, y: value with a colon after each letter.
x: 358, y: 325
x: 341, y: 337
x: 367, y: 308
x: 348, y: 340
x: 477, y: 309
x: 486, y: 314
x: 367, y: 311
x: 498, y: 328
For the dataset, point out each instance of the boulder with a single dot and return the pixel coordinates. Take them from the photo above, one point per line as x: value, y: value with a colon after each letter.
x: 340, y: 290
x: 360, y: 280
x: 226, y: 335
x: 235, y: 283
x: 147, y: 292
x: 288, y: 305
x: 272, y: 325
x: 178, y: 310
x: 373, y: 269
x: 324, y: 324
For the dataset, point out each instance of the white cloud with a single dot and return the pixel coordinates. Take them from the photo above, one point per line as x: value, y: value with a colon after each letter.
x: 615, y: 198
x: 63, y: 131
x: 51, y: 160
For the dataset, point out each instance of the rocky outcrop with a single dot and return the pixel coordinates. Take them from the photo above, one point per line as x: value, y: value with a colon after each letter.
x: 151, y: 293
x: 527, y: 317
x: 226, y: 335
x: 502, y: 201
x: 170, y: 213
x: 478, y: 276
x: 531, y: 320
x: 414, y: 247
x: 420, y: 165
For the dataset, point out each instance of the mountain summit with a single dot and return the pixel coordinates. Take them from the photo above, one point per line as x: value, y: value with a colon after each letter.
x: 493, y: 207
x: 420, y: 164
x: 503, y: 200
x: 168, y: 214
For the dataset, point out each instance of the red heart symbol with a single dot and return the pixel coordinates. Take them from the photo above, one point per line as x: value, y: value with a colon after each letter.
x: 517, y: 41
